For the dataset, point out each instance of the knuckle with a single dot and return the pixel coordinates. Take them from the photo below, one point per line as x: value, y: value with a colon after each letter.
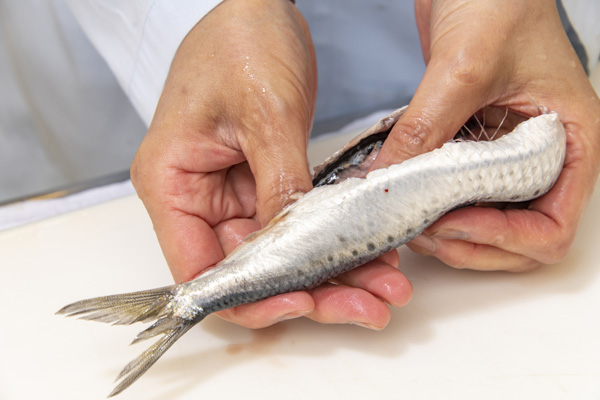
x: 458, y: 262
x: 146, y: 184
x: 558, y: 253
x: 558, y: 249
x: 462, y: 258
x: 468, y: 65
x: 137, y: 172
x: 144, y: 169
x: 411, y: 137
x: 134, y: 171
x: 467, y: 74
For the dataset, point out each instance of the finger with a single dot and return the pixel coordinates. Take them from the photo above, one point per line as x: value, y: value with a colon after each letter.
x: 525, y: 232
x: 485, y: 238
x: 463, y: 254
x: 391, y: 257
x: 382, y: 280
x: 270, y: 311
x: 488, y: 239
x: 232, y: 232
x: 188, y: 243
x: 184, y: 205
x: 187, y: 239
x: 339, y: 304
x: 280, y: 168
x: 461, y: 78
x: 431, y: 119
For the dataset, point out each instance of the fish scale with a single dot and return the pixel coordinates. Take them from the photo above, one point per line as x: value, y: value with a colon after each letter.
x: 335, y: 228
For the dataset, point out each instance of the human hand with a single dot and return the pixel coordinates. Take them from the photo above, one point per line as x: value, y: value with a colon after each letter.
x: 511, y: 54
x: 226, y: 151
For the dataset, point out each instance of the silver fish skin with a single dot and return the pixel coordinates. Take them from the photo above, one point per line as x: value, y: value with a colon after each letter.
x: 335, y: 228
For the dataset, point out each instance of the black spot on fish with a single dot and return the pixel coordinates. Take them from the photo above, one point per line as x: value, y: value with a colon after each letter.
x: 426, y: 221
x: 409, y: 231
x: 354, y: 253
x: 341, y: 239
x: 330, y: 258
x: 390, y: 239
x: 370, y: 246
x: 536, y: 192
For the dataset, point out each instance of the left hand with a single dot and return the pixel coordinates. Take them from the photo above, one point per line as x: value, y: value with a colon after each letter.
x: 227, y: 148
x: 511, y: 54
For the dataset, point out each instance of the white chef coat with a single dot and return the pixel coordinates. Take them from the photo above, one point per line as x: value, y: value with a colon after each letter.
x: 63, y: 117
x: 368, y: 52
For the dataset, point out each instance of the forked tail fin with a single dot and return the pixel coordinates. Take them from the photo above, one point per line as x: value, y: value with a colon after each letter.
x: 138, y: 366
x: 126, y: 309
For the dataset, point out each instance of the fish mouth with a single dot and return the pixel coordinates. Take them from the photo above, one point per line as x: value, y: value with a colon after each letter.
x: 353, y: 162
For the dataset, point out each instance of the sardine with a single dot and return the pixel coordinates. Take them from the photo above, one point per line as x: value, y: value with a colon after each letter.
x: 335, y: 228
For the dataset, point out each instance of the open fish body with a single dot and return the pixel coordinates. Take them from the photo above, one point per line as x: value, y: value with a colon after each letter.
x: 335, y: 228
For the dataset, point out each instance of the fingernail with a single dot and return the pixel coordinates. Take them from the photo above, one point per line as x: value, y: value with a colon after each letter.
x: 425, y: 242
x: 450, y: 234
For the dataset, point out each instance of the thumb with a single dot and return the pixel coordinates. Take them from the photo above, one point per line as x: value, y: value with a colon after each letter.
x: 280, y: 167
x: 448, y: 95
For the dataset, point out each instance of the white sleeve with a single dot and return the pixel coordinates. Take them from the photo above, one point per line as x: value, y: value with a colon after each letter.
x: 138, y: 39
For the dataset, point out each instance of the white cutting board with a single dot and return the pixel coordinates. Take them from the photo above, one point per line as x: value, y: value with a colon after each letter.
x: 465, y: 335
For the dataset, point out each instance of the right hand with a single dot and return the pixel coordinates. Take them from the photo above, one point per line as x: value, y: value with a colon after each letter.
x: 515, y: 55
x: 226, y: 150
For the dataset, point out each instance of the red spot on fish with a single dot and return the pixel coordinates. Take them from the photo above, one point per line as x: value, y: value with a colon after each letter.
x: 386, y: 190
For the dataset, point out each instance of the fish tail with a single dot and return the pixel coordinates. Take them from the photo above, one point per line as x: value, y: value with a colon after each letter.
x: 125, y: 309
x: 136, y: 368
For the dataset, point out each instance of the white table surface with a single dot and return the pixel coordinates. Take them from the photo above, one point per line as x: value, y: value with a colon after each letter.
x: 465, y: 335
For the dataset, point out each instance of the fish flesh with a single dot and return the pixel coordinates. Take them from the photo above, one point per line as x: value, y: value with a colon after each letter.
x: 337, y: 227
